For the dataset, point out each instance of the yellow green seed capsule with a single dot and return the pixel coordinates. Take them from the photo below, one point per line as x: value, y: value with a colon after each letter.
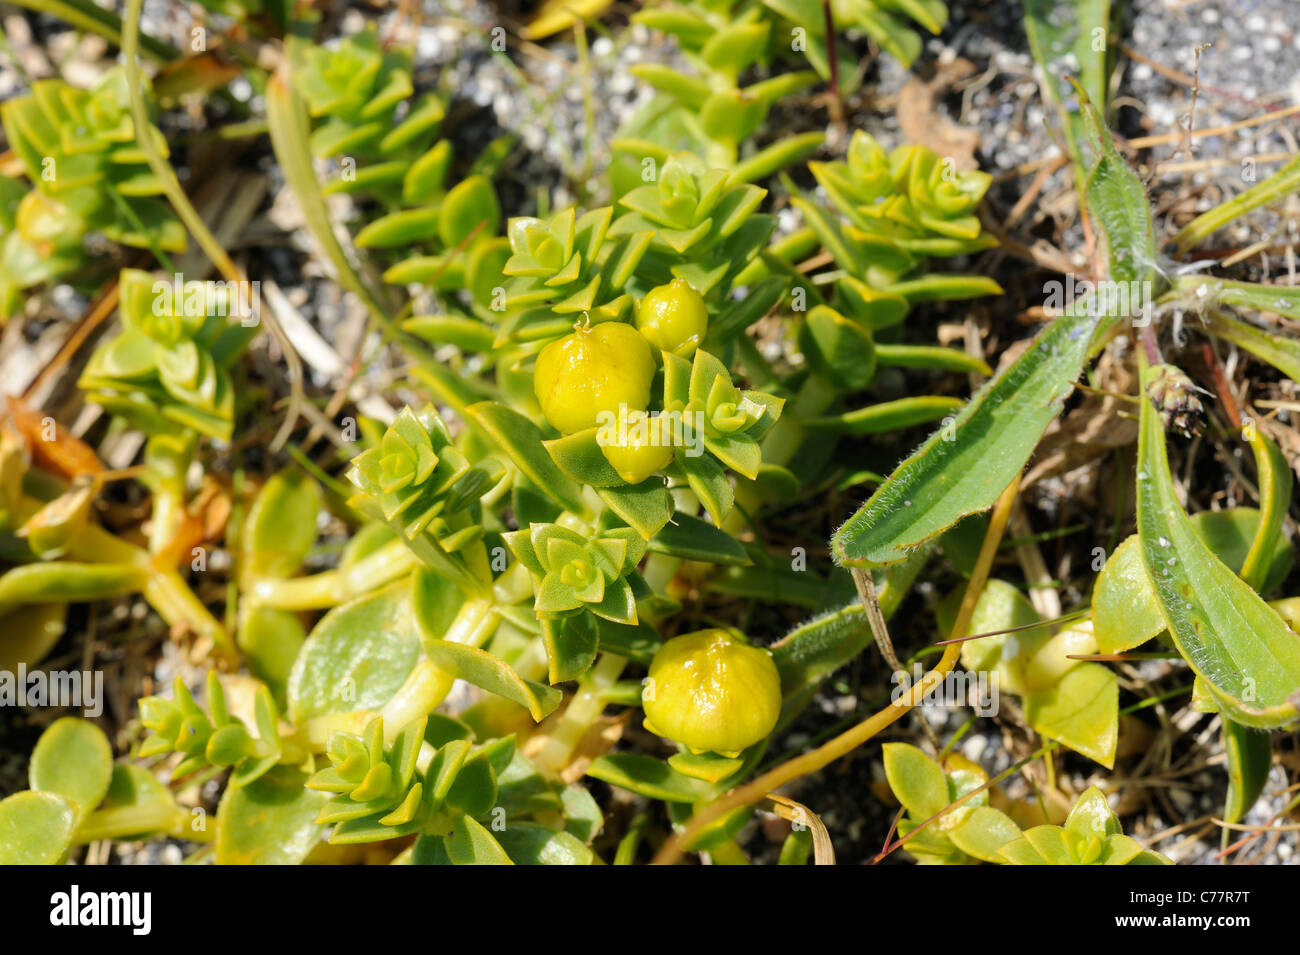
x: 635, y: 446
x: 712, y: 692
x: 673, y: 317
x: 596, y: 369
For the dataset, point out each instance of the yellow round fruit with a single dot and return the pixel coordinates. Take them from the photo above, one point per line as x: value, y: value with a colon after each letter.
x: 712, y: 692
x: 673, y: 317
x: 594, y: 370
x: 636, y: 446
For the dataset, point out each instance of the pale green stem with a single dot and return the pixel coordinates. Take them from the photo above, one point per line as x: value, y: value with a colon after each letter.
x: 165, y: 590
x: 176, y: 603
x: 333, y: 587
x: 513, y: 586
x: 660, y: 569
x: 168, y: 510
x: 581, y: 714
x: 119, y: 822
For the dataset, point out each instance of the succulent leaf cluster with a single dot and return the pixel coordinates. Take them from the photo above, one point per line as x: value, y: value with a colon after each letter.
x: 565, y: 264
x: 891, y: 24
x: 976, y: 831
x: 212, y: 738
x: 470, y: 803
x: 371, y: 781
x: 911, y: 198
x: 385, y: 138
x: 704, y: 224
x: 723, y: 45
x: 78, y: 150
x: 576, y: 574
x: 170, y: 364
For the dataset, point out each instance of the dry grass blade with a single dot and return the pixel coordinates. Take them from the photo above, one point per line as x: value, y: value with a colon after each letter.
x: 800, y: 815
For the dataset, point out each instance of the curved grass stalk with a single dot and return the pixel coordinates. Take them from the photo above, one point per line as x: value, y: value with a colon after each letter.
x: 185, y: 210
x: 86, y: 15
x: 286, y: 117
x: 799, y: 814
x: 851, y: 739
x: 1277, y: 186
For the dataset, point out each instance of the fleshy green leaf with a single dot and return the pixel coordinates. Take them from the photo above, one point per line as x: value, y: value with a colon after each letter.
x: 1125, y: 610
x: 493, y: 674
x: 646, y: 776
x: 471, y: 844
x: 690, y: 538
x: 1081, y: 711
x: 1250, y: 755
x: 916, y: 779
x: 357, y: 656
x: 522, y: 440
x: 983, y: 833
x: 73, y: 759
x: 1241, y: 647
x: 271, y: 821
x: 527, y: 843
x: 35, y: 828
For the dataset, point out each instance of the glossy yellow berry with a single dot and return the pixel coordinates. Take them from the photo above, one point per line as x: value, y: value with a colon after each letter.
x: 635, y: 446
x: 712, y: 692
x: 596, y: 369
x: 673, y: 317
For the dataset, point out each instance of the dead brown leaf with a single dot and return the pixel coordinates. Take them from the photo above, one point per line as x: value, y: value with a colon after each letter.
x: 924, y: 125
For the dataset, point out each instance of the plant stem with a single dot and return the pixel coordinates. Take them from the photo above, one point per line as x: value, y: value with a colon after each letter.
x: 176, y: 603
x: 120, y: 821
x: 333, y: 587
x: 426, y: 686
x: 850, y: 740
x: 581, y: 714
x: 86, y: 15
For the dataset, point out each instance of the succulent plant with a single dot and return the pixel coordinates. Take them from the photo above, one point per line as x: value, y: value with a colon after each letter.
x: 702, y: 223
x: 733, y: 421
x: 910, y: 198
x: 78, y: 150
x: 371, y: 780
x: 885, y: 21
x: 577, y: 574
x: 638, y: 411
x: 212, y: 738
x: 385, y: 139
x: 169, y: 365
